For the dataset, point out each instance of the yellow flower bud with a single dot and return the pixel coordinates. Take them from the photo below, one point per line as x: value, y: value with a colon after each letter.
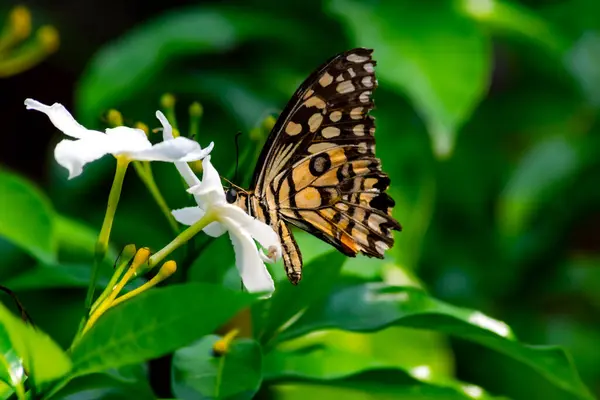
x: 48, y: 37
x: 141, y: 257
x: 114, y: 117
x: 222, y: 346
x: 268, y: 124
x: 167, y: 100
x: 167, y: 269
x: 142, y: 126
x: 196, y: 110
x: 20, y: 22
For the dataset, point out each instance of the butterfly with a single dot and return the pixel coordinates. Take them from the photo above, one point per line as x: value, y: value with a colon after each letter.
x: 318, y: 170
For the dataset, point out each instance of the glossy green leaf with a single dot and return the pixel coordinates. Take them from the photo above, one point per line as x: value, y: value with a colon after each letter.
x: 372, y: 306
x: 126, y: 66
x: 513, y: 18
x: 197, y: 373
x: 288, y: 301
x: 41, y: 356
x: 26, y: 217
x: 129, y: 382
x: 335, y: 354
x: 154, y: 323
x: 379, y: 384
x: 435, y: 55
x: 11, y: 366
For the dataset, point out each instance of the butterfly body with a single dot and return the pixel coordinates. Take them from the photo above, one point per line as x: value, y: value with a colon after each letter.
x: 318, y: 169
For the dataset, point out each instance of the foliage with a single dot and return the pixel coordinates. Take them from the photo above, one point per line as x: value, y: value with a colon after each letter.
x: 486, y: 123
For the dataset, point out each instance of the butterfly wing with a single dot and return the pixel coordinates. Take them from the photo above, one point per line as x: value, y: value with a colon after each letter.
x: 318, y: 169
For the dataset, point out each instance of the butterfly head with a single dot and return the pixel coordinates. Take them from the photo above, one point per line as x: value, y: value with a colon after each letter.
x: 231, y: 195
x: 236, y: 195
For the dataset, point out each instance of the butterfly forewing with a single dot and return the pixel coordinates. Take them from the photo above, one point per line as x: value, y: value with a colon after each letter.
x: 318, y: 169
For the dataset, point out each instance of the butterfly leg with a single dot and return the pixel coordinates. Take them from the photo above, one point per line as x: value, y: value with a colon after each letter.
x: 292, y: 258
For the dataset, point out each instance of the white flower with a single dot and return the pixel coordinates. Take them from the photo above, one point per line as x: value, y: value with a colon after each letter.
x: 132, y: 143
x: 242, y: 228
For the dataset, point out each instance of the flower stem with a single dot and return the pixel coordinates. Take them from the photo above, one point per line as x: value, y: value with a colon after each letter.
x: 128, y: 253
x: 181, y: 239
x: 144, y: 171
x: 103, y: 238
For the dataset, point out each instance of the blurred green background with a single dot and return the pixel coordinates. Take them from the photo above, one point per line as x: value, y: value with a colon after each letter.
x: 487, y: 116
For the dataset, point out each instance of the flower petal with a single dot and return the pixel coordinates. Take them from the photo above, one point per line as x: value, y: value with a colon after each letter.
x: 178, y: 149
x: 188, y: 215
x: 167, y: 129
x: 127, y: 140
x: 263, y: 233
x: 209, y: 191
x: 254, y: 273
x: 191, y: 215
x: 62, y: 119
x: 74, y: 154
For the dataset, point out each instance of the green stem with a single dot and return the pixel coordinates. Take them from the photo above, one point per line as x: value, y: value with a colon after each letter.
x: 128, y: 253
x: 103, y: 238
x: 144, y: 171
x: 181, y: 239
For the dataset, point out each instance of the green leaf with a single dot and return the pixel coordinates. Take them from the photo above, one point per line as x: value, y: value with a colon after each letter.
x: 289, y: 301
x: 26, y: 217
x: 77, y: 241
x: 373, y: 306
x: 130, y: 382
x: 379, y: 384
x: 41, y: 356
x: 505, y: 17
x: 129, y: 64
x: 11, y: 366
x: 197, y: 373
x: 435, y: 55
x: 155, y: 323
x: 424, y: 352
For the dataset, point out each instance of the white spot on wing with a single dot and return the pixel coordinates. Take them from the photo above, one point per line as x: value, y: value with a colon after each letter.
x: 314, y: 122
x: 318, y: 147
x: 330, y: 131
x: 356, y: 58
x: 359, y: 130
x: 369, y: 68
x: 367, y: 81
x: 293, y: 128
x: 364, y: 96
x: 335, y: 116
x: 326, y: 79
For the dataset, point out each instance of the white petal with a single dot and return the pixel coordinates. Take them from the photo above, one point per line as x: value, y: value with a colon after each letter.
x: 177, y: 149
x: 74, y: 154
x: 167, y: 129
x: 254, y: 273
x: 191, y: 215
x: 209, y: 191
x: 263, y: 233
x: 62, y: 119
x: 127, y: 140
x: 188, y: 175
x: 188, y: 215
x: 197, y: 153
x: 214, y: 229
